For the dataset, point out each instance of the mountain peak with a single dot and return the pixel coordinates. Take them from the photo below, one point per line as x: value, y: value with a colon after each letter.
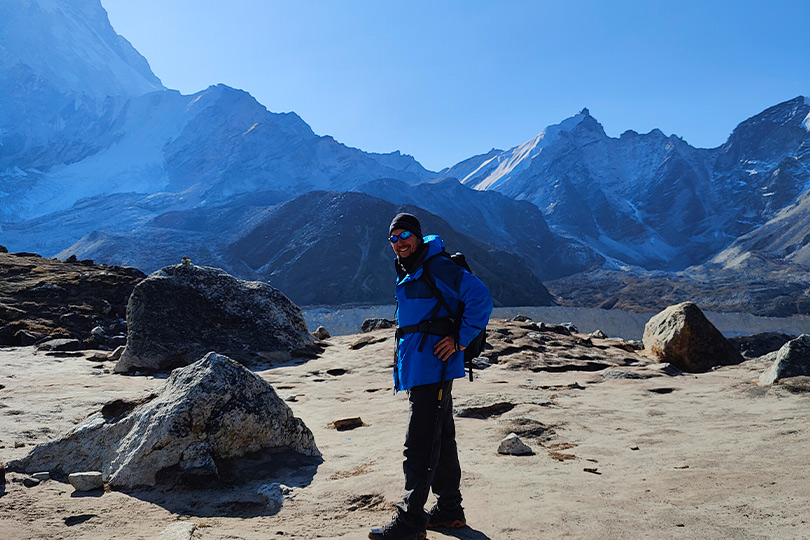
x: 71, y: 45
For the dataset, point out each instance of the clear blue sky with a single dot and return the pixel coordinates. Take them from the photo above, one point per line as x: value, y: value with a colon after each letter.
x: 445, y: 80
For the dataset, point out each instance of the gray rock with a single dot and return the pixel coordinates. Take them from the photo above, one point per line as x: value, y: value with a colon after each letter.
x: 98, y: 332
x: 684, y: 337
x: 598, y: 334
x: 31, y: 482
x: 321, y: 333
x: 181, y: 312
x: 61, y: 345
x: 214, y: 409
x: 86, y: 481
x: 41, y: 476
x: 556, y: 328
x: 180, y: 530
x: 611, y: 373
x: 512, y: 445
x: 26, y: 338
x: 115, y: 355
x: 369, y: 325
x: 275, y: 494
x: 792, y: 360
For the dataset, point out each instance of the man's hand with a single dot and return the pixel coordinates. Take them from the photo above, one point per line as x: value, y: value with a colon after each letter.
x: 446, y: 347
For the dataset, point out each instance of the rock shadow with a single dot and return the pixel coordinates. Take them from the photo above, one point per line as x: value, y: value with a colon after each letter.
x: 236, y: 492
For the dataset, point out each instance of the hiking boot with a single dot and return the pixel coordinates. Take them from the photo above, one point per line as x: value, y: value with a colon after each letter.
x: 396, y: 530
x: 446, y: 519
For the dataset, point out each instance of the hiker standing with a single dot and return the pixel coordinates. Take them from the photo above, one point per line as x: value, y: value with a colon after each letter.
x: 441, y: 310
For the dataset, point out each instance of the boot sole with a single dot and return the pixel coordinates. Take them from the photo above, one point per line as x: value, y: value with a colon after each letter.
x: 455, y: 524
x: 419, y: 536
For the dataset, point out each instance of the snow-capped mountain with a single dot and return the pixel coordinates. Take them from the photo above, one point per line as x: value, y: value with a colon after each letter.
x: 70, y: 46
x: 65, y: 72
x: 98, y: 159
x: 648, y: 199
x: 82, y: 116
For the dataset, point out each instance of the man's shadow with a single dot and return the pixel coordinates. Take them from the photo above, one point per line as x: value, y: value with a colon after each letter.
x: 465, y: 533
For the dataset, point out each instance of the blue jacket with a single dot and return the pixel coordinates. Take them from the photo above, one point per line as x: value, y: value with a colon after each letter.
x: 415, y: 303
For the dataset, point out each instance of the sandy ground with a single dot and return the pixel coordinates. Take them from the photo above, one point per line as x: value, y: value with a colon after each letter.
x: 688, y: 457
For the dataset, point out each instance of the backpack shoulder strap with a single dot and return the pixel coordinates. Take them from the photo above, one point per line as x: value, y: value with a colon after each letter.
x: 431, y: 283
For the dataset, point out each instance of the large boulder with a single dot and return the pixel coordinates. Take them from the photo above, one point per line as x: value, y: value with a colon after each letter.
x: 792, y: 360
x: 209, y: 413
x: 181, y: 312
x: 682, y: 336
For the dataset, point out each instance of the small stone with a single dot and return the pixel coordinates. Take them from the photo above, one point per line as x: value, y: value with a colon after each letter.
x: 30, y: 482
x: 179, y: 530
x: 512, y: 445
x: 346, y: 424
x: 97, y: 332
x: 321, y: 333
x: 275, y: 494
x: 621, y: 374
x: 42, y: 476
x: 26, y: 338
x: 61, y: 345
x: 598, y: 334
x: 370, y: 325
x: 86, y: 481
x: 115, y: 355
x: 19, y: 444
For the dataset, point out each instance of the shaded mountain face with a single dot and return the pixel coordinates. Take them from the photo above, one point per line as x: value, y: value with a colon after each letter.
x: 517, y: 227
x: 652, y: 200
x: 321, y: 248
x: 778, y: 245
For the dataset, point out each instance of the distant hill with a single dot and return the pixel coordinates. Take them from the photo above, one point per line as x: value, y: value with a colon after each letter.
x: 321, y: 248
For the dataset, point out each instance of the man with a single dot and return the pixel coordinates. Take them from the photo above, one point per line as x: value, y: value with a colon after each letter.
x: 441, y: 309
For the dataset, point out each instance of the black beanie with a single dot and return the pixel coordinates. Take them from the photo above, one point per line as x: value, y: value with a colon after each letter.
x: 407, y: 222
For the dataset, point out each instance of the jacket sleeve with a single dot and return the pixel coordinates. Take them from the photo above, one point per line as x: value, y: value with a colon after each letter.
x: 456, y: 283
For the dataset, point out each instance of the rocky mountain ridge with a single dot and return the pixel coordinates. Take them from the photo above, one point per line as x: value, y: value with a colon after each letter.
x: 98, y: 160
x: 651, y: 200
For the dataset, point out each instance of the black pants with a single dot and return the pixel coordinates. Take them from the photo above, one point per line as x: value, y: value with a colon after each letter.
x: 431, y: 455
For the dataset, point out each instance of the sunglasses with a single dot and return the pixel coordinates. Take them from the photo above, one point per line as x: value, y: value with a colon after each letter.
x: 404, y: 235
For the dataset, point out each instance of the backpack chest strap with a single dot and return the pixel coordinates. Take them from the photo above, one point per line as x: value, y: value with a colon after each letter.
x: 437, y: 327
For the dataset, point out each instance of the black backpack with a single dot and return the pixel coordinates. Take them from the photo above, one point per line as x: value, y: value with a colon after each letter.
x: 476, y: 346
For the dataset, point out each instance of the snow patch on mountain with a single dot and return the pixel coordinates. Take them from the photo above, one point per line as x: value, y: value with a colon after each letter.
x: 806, y: 122
x: 520, y: 157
